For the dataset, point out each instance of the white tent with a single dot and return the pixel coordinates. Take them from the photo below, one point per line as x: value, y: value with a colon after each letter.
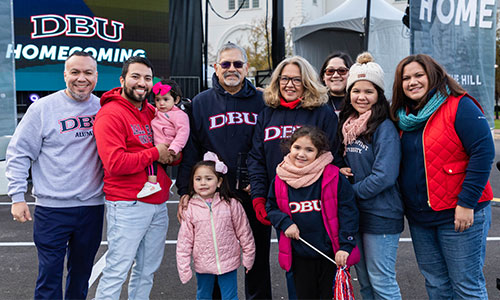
x: 342, y: 29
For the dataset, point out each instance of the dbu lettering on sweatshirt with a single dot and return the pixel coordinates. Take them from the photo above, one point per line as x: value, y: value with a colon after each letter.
x: 279, y: 132
x: 232, y: 118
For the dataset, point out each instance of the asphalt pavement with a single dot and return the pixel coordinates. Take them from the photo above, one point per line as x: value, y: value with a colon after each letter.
x: 18, y: 260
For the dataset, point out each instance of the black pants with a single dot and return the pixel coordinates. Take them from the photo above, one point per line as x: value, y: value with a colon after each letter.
x: 153, y: 169
x: 258, y: 279
x: 313, y: 277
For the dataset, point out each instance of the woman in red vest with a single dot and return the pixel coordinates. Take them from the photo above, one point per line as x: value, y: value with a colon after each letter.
x: 447, y: 153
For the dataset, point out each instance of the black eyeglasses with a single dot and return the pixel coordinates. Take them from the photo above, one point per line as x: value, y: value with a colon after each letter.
x: 284, y: 80
x: 342, y: 71
x: 227, y: 64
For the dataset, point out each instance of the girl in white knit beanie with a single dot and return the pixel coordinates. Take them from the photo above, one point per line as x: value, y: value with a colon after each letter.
x: 372, y: 153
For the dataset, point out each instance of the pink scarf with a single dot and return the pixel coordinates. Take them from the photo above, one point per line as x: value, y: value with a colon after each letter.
x: 305, y: 176
x: 354, y: 127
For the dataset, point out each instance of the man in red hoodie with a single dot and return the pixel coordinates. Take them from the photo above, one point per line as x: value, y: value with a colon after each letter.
x: 136, y: 229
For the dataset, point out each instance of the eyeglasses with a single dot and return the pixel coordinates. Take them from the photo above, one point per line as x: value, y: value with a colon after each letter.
x: 227, y: 64
x: 284, y: 80
x: 342, y: 71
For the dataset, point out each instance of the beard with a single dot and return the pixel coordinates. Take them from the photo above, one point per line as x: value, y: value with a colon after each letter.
x: 72, y: 90
x: 80, y: 97
x: 129, y: 92
x: 232, y: 82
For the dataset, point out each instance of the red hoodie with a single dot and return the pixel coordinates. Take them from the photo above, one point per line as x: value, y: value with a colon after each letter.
x: 124, y: 142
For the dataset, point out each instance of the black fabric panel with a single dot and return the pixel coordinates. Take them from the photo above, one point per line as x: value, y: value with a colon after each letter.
x: 186, y: 36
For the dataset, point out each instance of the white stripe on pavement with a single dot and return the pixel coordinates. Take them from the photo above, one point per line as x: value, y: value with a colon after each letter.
x: 174, y: 242
x: 97, y: 269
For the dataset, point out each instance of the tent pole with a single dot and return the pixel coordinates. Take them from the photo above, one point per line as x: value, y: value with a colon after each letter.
x: 277, y: 33
x: 367, y: 23
x: 205, y: 49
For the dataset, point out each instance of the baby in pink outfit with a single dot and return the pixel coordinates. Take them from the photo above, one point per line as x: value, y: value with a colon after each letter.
x: 170, y: 126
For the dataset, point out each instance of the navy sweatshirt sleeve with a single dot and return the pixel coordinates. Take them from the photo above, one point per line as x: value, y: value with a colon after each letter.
x: 257, y: 161
x: 348, y: 215
x: 279, y: 219
x: 474, y: 132
x: 191, y: 154
x: 385, y: 168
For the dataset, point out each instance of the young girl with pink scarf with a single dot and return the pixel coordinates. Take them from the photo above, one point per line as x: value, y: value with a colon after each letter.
x: 372, y: 153
x: 309, y: 199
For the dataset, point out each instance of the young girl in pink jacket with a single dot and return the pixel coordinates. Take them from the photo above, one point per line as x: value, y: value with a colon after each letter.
x: 215, y: 231
x: 170, y: 126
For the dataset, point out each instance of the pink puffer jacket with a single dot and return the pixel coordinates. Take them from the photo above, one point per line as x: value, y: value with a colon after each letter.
x: 214, y: 236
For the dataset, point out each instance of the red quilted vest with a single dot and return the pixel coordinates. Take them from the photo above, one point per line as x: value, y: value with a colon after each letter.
x: 445, y: 157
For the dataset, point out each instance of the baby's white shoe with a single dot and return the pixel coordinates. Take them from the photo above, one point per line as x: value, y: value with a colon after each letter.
x: 148, y: 189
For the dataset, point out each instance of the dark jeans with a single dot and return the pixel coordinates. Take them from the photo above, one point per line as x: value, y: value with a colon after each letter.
x: 57, y: 232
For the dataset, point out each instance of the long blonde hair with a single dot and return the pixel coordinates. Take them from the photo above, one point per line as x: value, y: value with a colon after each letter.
x: 315, y: 94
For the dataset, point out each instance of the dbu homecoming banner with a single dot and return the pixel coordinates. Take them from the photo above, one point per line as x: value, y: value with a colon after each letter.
x: 459, y: 34
x: 48, y: 31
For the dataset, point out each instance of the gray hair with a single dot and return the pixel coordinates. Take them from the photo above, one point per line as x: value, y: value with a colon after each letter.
x: 229, y: 46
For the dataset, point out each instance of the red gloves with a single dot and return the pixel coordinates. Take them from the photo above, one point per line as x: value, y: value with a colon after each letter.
x: 259, y: 205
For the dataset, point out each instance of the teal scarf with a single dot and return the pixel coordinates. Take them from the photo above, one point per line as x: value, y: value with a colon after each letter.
x: 410, y: 122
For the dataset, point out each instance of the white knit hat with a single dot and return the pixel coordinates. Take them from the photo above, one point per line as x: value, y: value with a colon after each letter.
x: 366, y: 69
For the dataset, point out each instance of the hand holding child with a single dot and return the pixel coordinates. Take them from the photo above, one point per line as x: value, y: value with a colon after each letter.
x: 341, y: 258
x: 292, y: 232
x: 164, y: 153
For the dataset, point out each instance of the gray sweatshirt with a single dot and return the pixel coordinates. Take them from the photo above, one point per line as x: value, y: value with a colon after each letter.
x: 55, y: 138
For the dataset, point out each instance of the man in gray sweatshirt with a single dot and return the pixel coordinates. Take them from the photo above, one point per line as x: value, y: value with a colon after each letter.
x: 55, y: 138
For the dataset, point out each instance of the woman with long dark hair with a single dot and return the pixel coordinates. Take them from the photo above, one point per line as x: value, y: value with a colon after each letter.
x: 447, y: 153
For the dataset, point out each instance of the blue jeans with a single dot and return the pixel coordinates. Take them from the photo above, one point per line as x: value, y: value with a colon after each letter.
x: 452, y: 262
x: 487, y: 225
x: 74, y: 232
x: 136, y: 234
x: 377, y: 268
x: 228, y: 284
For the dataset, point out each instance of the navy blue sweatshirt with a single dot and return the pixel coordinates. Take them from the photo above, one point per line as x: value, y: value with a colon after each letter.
x: 221, y: 123
x: 375, y: 167
x: 306, y: 214
x: 276, y: 124
x: 474, y: 132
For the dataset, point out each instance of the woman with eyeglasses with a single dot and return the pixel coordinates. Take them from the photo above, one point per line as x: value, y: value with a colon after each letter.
x: 334, y: 73
x: 294, y: 98
x: 447, y: 153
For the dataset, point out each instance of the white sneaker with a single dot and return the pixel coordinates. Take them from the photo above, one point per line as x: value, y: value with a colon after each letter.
x: 149, y: 189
